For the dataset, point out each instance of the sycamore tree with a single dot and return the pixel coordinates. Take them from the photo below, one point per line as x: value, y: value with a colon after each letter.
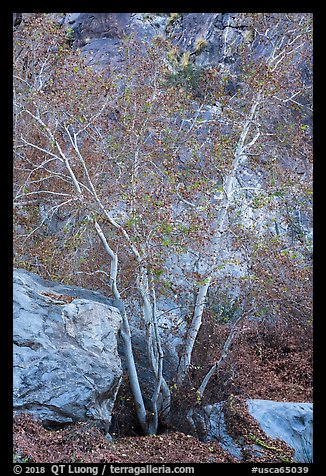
x: 142, y: 170
x: 104, y: 151
x: 269, y: 119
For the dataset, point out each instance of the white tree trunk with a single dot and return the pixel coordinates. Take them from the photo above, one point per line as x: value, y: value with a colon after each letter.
x: 126, y: 335
x: 161, y: 398
x: 218, y: 363
x: 229, y: 186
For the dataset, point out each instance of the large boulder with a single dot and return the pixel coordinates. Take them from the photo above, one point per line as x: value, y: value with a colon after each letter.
x: 66, y: 364
x: 289, y: 421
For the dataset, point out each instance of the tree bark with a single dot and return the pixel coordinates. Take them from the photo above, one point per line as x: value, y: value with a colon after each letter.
x: 126, y: 335
x: 230, y: 180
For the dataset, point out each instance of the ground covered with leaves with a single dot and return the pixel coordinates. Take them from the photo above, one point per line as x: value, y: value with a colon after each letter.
x: 267, y: 360
x: 83, y: 443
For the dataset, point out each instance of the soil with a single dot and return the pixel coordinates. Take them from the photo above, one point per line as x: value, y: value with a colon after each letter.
x: 267, y: 360
x: 84, y: 443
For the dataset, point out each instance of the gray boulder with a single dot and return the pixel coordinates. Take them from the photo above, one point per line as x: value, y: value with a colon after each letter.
x: 66, y: 364
x: 291, y: 422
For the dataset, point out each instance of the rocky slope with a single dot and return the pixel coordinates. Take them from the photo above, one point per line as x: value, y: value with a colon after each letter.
x: 210, y: 38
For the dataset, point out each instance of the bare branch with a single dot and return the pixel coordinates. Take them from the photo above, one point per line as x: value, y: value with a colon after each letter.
x: 49, y: 192
x: 41, y: 149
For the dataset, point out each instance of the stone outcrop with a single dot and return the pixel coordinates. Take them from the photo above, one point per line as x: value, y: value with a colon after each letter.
x: 68, y: 356
x: 66, y: 363
x: 289, y: 421
x: 210, y: 38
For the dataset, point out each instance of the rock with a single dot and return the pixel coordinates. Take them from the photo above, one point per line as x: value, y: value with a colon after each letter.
x: 288, y: 421
x: 209, y: 424
x: 291, y: 422
x: 66, y: 364
x: 89, y: 26
x: 17, y: 19
x: 99, y: 35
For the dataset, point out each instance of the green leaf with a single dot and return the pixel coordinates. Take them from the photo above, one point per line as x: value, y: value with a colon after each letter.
x: 204, y: 281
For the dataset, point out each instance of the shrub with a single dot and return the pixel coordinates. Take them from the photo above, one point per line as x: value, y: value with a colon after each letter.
x: 200, y: 44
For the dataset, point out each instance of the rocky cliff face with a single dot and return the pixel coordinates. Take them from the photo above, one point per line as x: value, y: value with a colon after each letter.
x: 210, y: 38
x: 204, y: 40
x: 66, y: 364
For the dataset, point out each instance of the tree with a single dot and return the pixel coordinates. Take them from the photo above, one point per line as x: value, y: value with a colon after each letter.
x: 266, y: 93
x: 105, y: 150
x: 149, y: 167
